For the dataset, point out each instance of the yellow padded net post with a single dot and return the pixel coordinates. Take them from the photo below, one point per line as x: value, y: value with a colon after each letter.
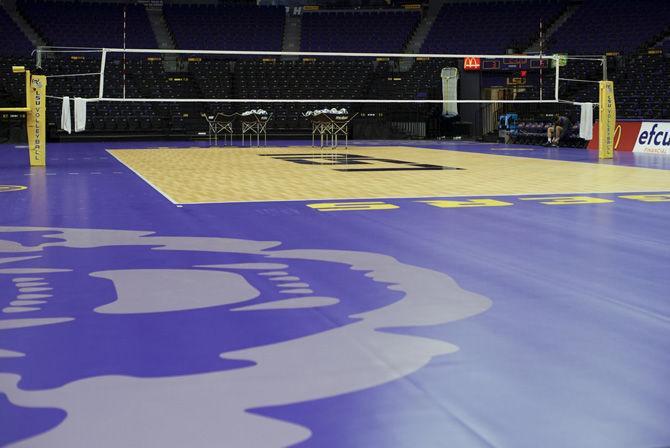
x: 36, y: 119
x: 606, y: 120
x: 35, y: 110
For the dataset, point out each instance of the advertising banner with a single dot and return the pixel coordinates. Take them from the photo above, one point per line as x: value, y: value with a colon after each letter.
x: 638, y: 136
x: 653, y: 137
x: 625, y: 135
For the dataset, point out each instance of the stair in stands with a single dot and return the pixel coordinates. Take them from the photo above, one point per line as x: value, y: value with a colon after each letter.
x: 162, y: 34
x: 292, y: 28
x: 569, y: 11
x: 422, y: 30
x: 420, y: 33
x: 13, y: 12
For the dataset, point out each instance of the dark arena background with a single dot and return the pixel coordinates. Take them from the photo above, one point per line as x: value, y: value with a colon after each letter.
x: 372, y: 223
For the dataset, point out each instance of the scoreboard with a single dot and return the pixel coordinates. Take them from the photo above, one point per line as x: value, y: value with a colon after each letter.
x: 512, y: 64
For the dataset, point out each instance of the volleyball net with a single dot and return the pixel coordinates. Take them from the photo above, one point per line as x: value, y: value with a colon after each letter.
x: 394, y: 94
x: 117, y: 82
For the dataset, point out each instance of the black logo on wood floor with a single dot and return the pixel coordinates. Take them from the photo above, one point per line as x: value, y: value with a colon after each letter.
x: 356, y: 162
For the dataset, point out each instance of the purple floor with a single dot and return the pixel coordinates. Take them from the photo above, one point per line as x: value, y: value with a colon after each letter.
x: 129, y: 322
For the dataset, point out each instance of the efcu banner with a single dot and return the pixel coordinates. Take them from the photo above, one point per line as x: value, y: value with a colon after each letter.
x: 638, y: 136
x: 36, y: 118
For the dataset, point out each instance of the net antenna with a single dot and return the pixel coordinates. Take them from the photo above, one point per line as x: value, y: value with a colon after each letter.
x: 125, y: 18
x: 541, y: 63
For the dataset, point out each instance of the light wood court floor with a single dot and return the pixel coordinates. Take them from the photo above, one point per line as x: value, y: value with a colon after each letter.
x: 214, y: 175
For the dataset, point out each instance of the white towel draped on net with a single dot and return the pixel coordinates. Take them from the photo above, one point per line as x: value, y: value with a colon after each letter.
x: 586, y: 121
x: 79, y: 114
x: 65, y: 120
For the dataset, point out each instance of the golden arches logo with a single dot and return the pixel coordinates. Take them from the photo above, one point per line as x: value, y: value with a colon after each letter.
x: 617, y: 136
x: 472, y: 63
x: 8, y: 188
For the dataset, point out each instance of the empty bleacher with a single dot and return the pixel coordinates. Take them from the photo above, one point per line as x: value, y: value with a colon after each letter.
x: 321, y: 79
x: 620, y: 26
x: 358, y: 31
x: 489, y: 28
x: 88, y: 24
x: 218, y: 27
x: 642, y: 87
x: 12, y: 40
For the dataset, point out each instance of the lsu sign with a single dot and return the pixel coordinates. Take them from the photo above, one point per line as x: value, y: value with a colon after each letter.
x: 472, y: 64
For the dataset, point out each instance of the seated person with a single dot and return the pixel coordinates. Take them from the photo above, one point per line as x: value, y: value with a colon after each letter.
x: 559, y: 131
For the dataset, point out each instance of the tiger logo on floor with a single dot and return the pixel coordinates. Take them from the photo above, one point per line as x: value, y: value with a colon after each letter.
x: 114, y: 338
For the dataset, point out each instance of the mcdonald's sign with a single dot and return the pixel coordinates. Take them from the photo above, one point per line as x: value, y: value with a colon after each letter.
x: 472, y: 64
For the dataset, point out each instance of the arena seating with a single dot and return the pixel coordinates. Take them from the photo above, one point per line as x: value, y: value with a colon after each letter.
x: 641, y: 80
x: 88, y: 24
x: 642, y: 87
x: 207, y: 27
x: 15, y: 49
x: 622, y: 26
x: 300, y: 79
x: 351, y: 31
x: 464, y: 28
x: 12, y: 86
x: 12, y: 40
x: 422, y: 81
